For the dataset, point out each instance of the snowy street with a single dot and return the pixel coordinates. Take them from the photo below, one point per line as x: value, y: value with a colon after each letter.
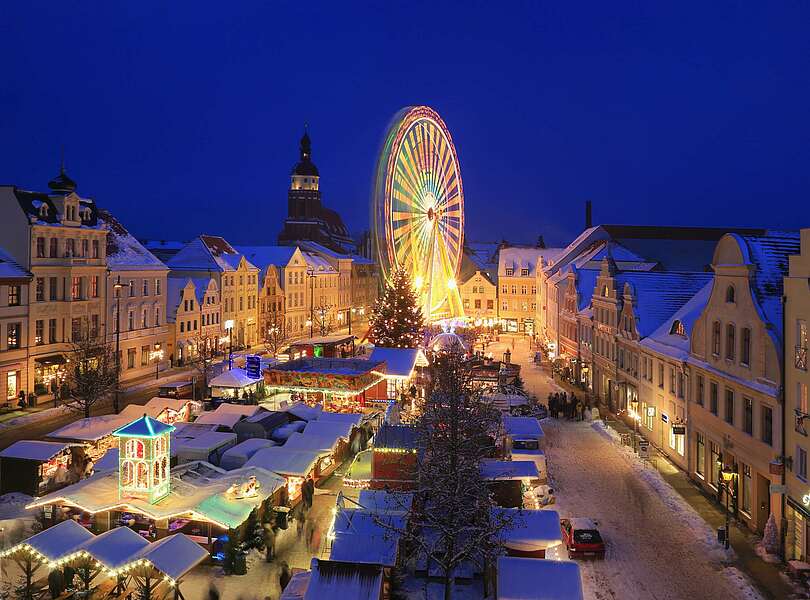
x: 658, y: 547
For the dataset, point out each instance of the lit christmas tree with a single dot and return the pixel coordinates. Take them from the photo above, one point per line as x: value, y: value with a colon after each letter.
x: 397, y: 318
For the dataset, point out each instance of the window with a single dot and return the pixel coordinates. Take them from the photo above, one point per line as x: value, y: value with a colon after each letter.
x: 182, y: 326
x: 490, y: 305
x: 14, y: 295
x: 40, y: 247
x: 767, y: 425
x: 478, y: 303
x: 130, y: 320
x: 713, y: 398
x: 801, y: 463
x: 85, y: 248
x: 157, y: 316
x: 523, y: 290
x: 195, y: 324
x: 677, y: 328
x: 524, y: 272
x: 70, y: 248
x: 671, y: 380
x: 39, y: 332
x: 76, y: 329
x: 746, y: 489
x: 514, y: 289
x: 94, y: 286
x: 51, y: 331
x: 510, y: 272
x: 748, y: 415
x: 729, y: 407
x: 145, y: 287
x: 52, y: 288
x: 127, y: 472
x: 95, y: 249
x: 504, y: 305
x: 40, y: 289
x: 716, y: 338
x: 745, y: 347
x: 157, y: 287
x: 680, y: 386
x: 144, y: 355
x: 76, y: 288
x: 714, y: 458
x: 54, y: 247
x: 504, y: 289
x: 661, y: 375
x: 700, y: 390
x: 730, y: 294
x: 13, y: 335
x: 730, y: 335
x: 145, y: 318
x: 131, y: 288
x: 700, y: 459
x: 93, y: 326
x: 131, y: 358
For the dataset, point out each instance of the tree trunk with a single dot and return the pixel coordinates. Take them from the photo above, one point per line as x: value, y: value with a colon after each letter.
x: 448, y: 586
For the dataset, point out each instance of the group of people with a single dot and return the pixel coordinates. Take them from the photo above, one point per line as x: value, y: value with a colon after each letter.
x: 561, y: 405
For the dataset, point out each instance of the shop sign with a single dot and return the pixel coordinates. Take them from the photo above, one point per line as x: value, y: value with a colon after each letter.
x: 253, y: 366
x: 665, y: 417
x: 643, y: 449
x: 806, y: 499
x: 679, y: 430
x: 650, y: 411
x: 778, y: 488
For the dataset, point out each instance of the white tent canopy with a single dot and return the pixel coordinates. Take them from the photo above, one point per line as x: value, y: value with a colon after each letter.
x: 116, y: 547
x: 238, y: 455
x: 353, y: 418
x: 505, y: 470
x: 234, y: 379
x: 334, y: 429
x: 318, y: 443
x: 297, y: 463
x: 56, y: 542
x: 531, y: 530
x: 34, y: 450
x: 174, y: 556
x: 522, y: 427
x: 533, y: 579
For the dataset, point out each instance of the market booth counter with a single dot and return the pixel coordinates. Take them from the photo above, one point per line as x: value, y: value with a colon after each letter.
x: 36, y: 467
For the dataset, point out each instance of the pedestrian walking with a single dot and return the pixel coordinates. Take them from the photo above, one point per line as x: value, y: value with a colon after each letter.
x: 284, y: 575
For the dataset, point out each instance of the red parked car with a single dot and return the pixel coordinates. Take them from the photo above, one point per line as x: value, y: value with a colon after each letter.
x: 582, y: 538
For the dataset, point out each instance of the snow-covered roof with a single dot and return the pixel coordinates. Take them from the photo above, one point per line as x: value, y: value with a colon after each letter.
x: 115, y: 547
x: 533, y: 579
x: 297, y: 587
x: 90, y: 429
x: 189, y: 441
x: 146, y: 426
x: 108, y: 462
x: 10, y: 269
x: 234, y: 378
x: 347, y: 581
x: 400, y: 362
x: 277, y: 459
x: 329, y: 429
x: 228, y: 414
x: 281, y: 434
x: 664, y: 340
x: 34, y: 450
x: 236, y: 456
x: 319, y: 443
x: 383, y: 501
x: 196, y: 256
x: 522, y: 426
x: 56, y: 542
x: 519, y: 258
x: 175, y: 555
x: 530, y: 530
x: 304, y: 411
x: 196, y: 487
x: 353, y: 418
x: 507, y: 470
x: 124, y: 252
x: 161, y: 403
x: 396, y: 436
x: 360, y: 537
x: 265, y: 256
x: 319, y: 264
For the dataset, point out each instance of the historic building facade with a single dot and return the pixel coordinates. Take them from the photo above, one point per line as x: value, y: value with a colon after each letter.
x: 479, y: 297
x: 14, y: 300
x: 194, y: 318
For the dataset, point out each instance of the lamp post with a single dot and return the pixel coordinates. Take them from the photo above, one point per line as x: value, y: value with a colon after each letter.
x: 311, y: 273
x: 229, y: 329
x: 728, y: 475
x: 117, y: 286
x: 636, y: 418
x: 156, y: 355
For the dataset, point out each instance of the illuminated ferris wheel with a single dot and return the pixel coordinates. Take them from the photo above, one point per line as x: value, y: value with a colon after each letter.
x: 418, y: 208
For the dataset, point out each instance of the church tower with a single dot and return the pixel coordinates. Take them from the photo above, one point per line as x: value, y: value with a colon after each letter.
x: 304, y: 196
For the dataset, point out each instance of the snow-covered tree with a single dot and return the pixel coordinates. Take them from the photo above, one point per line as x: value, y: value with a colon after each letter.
x: 451, y: 521
x: 770, y: 537
x: 396, y: 321
x: 275, y: 336
x: 91, y: 375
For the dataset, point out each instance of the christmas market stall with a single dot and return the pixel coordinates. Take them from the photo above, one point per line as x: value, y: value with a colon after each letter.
x: 523, y: 577
x: 200, y: 442
x: 235, y: 457
x: 340, y: 384
x: 531, y: 533
x: 227, y: 415
x: 510, y: 481
x: 151, y: 497
x: 295, y: 466
x: 403, y: 370
x: 234, y: 383
x: 389, y: 464
x: 37, y: 467
x: 328, y: 346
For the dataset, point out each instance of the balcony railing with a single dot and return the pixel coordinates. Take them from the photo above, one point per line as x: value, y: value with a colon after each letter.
x: 800, y: 358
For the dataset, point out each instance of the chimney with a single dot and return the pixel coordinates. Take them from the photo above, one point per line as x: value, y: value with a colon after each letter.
x: 588, y: 217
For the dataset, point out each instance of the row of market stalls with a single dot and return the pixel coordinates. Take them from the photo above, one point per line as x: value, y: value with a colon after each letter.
x: 114, y: 562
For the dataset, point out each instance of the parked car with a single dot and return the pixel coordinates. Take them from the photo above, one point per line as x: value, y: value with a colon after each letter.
x: 582, y: 538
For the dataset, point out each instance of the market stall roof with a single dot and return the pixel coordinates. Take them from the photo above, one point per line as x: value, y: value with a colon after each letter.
x: 505, y: 470
x: 533, y: 579
x: 174, y: 556
x: 34, y: 450
x: 303, y: 411
x: 162, y: 403
x: 234, y: 378
x: 530, y: 530
x: 347, y: 581
x: 90, y: 429
x: 236, y: 456
x: 504, y: 402
x: 328, y: 366
x: 115, y: 547
x: 297, y: 587
x: 200, y: 439
x: 522, y: 426
x: 227, y: 414
x: 197, y: 488
x: 353, y: 418
x: 360, y: 537
x: 331, y: 429
x: 400, y: 362
x: 396, y: 436
x: 298, y: 463
x: 382, y: 501
x: 108, y: 462
x: 135, y: 411
x: 281, y: 434
x: 304, y: 441
x: 146, y: 426
x: 324, y: 340
x: 55, y: 542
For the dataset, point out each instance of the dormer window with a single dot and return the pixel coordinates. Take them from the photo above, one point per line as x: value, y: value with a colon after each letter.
x: 677, y: 328
x: 730, y: 294
x: 524, y: 272
x: 43, y: 211
x: 510, y: 272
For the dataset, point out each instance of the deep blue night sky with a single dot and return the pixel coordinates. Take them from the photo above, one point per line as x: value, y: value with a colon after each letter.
x: 186, y: 119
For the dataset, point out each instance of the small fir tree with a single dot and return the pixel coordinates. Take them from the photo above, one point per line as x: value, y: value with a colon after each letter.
x: 397, y: 318
x: 770, y: 537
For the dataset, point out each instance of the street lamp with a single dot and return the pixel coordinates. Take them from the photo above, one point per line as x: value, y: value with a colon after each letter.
x: 156, y: 355
x: 636, y: 418
x: 229, y: 329
x: 728, y: 475
x: 117, y: 286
